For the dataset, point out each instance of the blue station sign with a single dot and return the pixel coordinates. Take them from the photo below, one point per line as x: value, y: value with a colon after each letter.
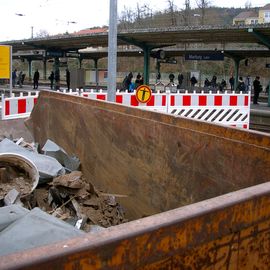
x: 212, y: 56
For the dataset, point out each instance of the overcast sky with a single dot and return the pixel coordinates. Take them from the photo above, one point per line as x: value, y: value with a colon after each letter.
x: 59, y: 16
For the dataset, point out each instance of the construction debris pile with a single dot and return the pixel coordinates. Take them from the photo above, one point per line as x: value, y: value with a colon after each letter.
x: 61, y: 189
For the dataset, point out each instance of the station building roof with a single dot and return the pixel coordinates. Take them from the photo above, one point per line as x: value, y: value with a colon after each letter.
x: 154, y: 38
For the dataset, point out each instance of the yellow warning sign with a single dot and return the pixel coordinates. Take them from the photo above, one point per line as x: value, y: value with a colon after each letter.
x: 143, y: 93
x: 4, y: 62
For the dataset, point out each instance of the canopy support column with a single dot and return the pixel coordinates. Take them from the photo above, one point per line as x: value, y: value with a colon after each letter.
x: 146, y: 64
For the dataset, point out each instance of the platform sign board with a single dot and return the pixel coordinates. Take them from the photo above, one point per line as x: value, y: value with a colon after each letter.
x: 143, y: 93
x: 207, y: 56
x: 54, y: 53
x: 5, y: 62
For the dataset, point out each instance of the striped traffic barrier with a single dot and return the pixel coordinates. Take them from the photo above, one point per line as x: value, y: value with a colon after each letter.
x: 224, y: 108
x: 18, y: 106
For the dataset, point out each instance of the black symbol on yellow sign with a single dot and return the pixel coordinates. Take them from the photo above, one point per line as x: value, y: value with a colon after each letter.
x: 143, y: 93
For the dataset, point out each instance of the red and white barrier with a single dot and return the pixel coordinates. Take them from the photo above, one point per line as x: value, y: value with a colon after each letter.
x: 18, y: 107
x: 231, y: 109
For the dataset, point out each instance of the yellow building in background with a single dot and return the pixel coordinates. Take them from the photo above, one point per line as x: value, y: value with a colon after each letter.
x: 264, y: 14
x: 253, y: 17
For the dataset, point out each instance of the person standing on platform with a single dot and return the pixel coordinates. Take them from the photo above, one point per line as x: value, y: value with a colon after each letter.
x: 180, y: 80
x: 20, y: 79
x: 51, y: 78
x: 241, y: 87
x: 36, y: 79
x: 257, y: 87
x: 127, y: 81
x: 248, y: 83
x: 231, y: 81
x: 14, y: 77
x: 138, y: 81
x: 171, y: 78
x: 68, y: 78
x: 193, y: 81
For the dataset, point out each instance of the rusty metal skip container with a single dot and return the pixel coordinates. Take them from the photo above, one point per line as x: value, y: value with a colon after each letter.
x: 197, y: 194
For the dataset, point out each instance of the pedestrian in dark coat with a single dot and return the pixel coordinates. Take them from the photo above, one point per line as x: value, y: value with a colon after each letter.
x: 51, y: 78
x: 257, y: 87
x: 36, y: 79
x: 180, y: 79
x: 14, y: 77
x: 193, y: 81
x: 231, y: 81
x: 241, y: 87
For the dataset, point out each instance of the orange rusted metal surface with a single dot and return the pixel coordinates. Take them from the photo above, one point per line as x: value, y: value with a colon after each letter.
x: 204, y: 189
x: 226, y: 232
x: 159, y: 161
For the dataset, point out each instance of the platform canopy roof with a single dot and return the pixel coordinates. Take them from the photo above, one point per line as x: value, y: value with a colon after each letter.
x: 153, y: 38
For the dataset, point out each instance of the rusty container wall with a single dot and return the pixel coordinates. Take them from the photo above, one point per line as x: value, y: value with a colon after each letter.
x: 159, y: 161
x: 231, y: 231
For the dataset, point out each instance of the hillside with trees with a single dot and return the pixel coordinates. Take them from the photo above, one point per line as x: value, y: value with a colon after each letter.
x: 204, y: 14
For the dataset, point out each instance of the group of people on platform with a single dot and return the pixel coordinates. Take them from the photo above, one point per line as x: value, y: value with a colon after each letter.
x: 243, y: 86
x: 127, y: 83
x: 54, y: 79
x: 17, y: 78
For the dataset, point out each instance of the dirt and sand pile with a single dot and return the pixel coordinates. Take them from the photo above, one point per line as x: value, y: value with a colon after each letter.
x: 13, y: 177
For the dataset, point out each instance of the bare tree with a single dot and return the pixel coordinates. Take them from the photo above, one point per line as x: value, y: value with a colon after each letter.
x: 172, y: 9
x: 248, y: 4
x: 42, y: 33
x: 203, y: 5
x: 186, y: 13
x: 139, y: 11
x: 127, y: 17
x: 148, y: 11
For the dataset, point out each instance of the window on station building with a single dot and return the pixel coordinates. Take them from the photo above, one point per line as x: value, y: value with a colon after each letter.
x: 253, y: 21
x: 267, y: 14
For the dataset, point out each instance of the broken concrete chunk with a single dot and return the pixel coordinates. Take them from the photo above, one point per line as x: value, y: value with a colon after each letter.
x: 72, y: 180
x: 35, y: 229
x: 48, y: 167
x: 50, y: 148
x: 9, y: 214
x: 12, y: 196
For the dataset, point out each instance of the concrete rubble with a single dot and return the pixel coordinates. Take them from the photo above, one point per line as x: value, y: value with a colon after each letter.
x: 62, y: 194
x: 51, y: 149
x: 33, y: 229
x: 48, y: 167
